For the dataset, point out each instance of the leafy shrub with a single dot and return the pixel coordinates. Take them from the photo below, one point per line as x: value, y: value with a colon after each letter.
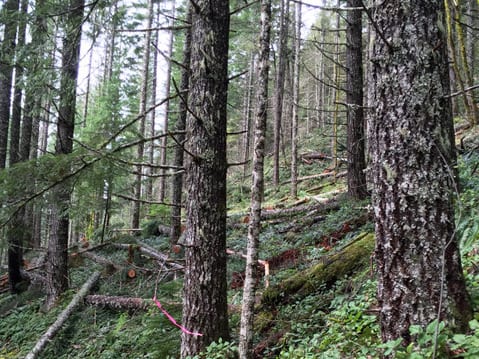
x: 219, y: 350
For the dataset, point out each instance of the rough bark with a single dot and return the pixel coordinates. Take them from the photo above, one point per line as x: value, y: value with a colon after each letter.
x: 354, y: 99
x: 204, y: 293
x: 413, y: 159
x: 257, y: 187
x: 64, y: 315
x: 57, y: 251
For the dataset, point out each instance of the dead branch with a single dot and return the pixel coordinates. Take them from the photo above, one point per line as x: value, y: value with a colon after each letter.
x: 62, y: 318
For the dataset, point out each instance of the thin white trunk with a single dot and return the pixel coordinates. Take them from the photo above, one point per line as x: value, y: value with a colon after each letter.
x: 257, y: 188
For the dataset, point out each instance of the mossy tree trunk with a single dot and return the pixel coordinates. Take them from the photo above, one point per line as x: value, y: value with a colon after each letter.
x: 413, y: 159
x: 204, y: 293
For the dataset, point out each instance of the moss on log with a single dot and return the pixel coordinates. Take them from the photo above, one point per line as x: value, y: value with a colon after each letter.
x: 351, y: 258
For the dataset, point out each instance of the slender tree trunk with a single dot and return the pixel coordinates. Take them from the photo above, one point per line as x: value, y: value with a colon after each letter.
x: 154, y: 86
x: 335, y: 89
x: 18, y: 90
x: 469, y: 105
x: 279, y: 87
x: 177, y: 184
x: 354, y: 99
x: 7, y: 51
x: 57, y: 251
x: 247, y: 116
x: 16, y: 229
x: 413, y: 161
x: 204, y: 291
x: 295, y: 117
x: 465, y: 68
x: 162, y: 186
x: 257, y: 187
x: 142, y: 113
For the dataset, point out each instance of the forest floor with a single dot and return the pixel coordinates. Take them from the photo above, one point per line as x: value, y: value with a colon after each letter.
x: 318, y: 300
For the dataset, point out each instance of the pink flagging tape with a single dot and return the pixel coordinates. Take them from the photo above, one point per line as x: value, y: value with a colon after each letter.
x: 171, y: 319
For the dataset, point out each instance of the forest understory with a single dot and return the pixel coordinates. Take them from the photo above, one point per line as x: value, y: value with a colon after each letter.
x: 316, y: 283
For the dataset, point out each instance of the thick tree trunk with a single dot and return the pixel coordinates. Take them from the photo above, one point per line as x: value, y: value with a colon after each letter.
x: 177, y: 185
x: 413, y: 159
x: 257, y: 187
x: 204, y: 298
x: 354, y: 99
x: 57, y: 251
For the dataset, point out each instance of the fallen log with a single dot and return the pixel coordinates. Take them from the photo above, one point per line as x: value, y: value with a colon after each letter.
x: 352, y: 257
x: 330, y: 204
x: 150, y: 252
x: 100, y: 260
x: 62, y: 318
x: 118, y: 303
x: 320, y: 175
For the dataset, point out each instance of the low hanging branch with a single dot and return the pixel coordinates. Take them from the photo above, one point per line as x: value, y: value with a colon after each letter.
x: 62, y: 318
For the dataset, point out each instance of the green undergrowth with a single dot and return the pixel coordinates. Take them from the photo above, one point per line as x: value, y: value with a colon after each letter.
x: 305, y: 316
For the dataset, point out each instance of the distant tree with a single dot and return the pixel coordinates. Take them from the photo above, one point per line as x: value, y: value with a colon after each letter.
x: 57, y: 251
x: 354, y: 99
x: 15, y: 232
x: 180, y: 126
x: 295, y: 115
x: 413, y: 164
x: 142, y: 113
x: 163, y: 147
x: 204, y: 293
x: 279, y: 85
x: 9, y: 15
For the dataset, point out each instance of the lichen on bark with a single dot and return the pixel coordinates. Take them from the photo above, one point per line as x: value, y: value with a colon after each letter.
x: 413, y: 159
